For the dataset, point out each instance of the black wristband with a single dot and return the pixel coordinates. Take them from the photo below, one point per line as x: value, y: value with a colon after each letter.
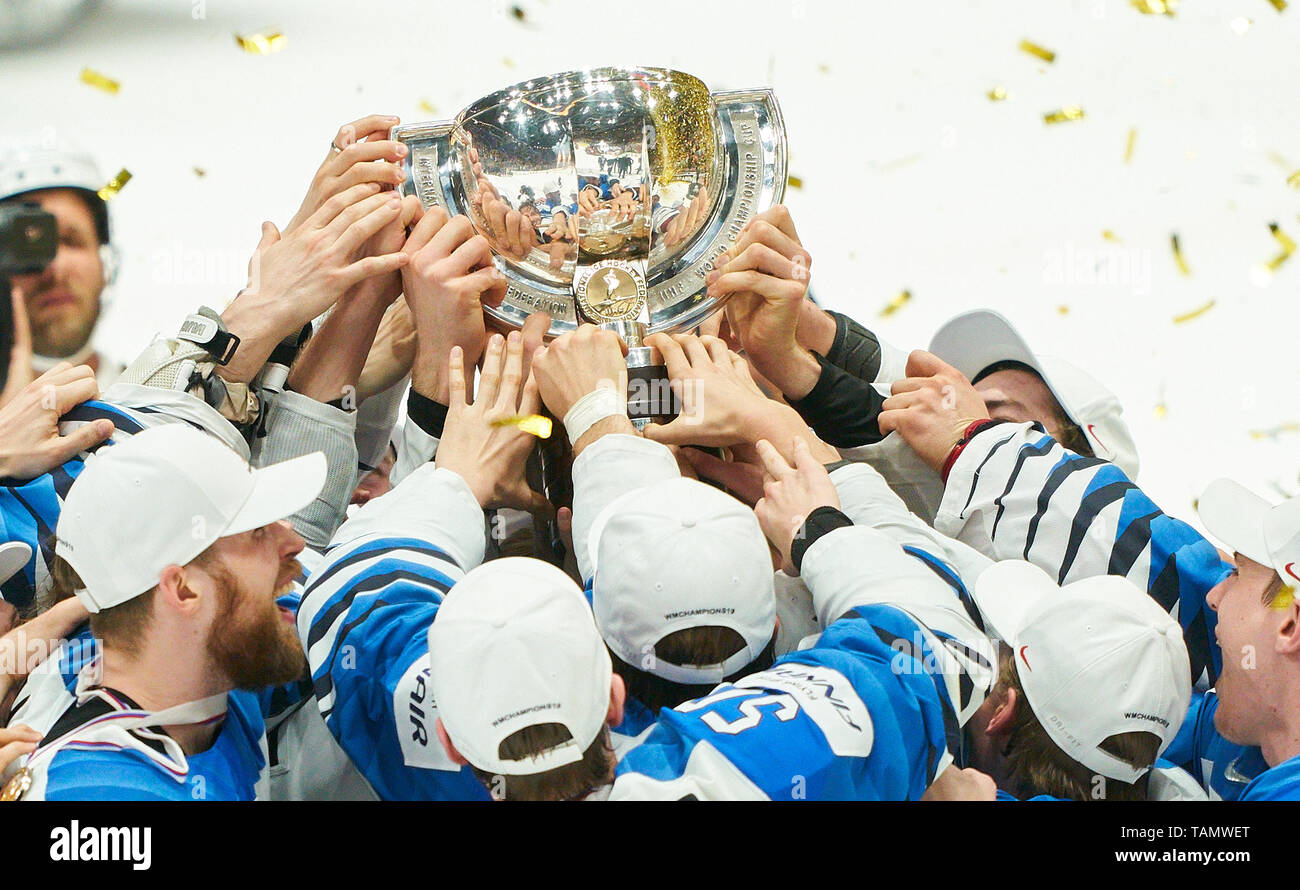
x: 820, y: 522
x: 842, y: 409
x: 854, y: 349
x: 427, y: 414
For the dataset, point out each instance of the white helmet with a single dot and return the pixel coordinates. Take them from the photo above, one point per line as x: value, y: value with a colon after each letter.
x: 30, y: 169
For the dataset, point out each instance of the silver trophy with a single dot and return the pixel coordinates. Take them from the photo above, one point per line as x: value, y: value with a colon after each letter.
x: 606, y: 195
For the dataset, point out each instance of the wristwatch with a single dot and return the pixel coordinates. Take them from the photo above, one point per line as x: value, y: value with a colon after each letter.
x: 206, y: 330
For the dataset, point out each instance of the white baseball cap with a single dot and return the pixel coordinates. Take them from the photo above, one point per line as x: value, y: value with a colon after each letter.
x: 676, y: 555
x: 1095, y: 658
x: 161, y: 498
x: 13, y: 556
x: 981, y: 338
x: 1250, y: 525
x: 513, y: 645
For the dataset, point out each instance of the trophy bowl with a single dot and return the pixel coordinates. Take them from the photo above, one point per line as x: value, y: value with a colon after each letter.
x: 605, y: 194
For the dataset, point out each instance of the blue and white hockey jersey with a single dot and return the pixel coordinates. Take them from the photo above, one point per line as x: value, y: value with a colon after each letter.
x: 1015, y: 493
x: 862, y: 715
x: 873, y: 710
x: 364, y: 622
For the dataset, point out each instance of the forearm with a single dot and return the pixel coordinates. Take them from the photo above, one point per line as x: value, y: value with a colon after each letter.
x: 842, y: 409
x: 297, y: 424
x: 331, y: 364
x: 862, y: 353
x: 260, y: 322
x: 867, y: 499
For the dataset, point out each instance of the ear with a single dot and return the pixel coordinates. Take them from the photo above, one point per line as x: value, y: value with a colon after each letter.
x: 617, y: 698
x: 447, y: 746
x: 1004, y: 716
x: 179, y: 587
x: 1287, y: 641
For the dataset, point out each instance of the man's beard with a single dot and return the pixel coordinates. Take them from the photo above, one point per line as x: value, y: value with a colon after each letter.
x: 64, y: 337
x: 252, y: 644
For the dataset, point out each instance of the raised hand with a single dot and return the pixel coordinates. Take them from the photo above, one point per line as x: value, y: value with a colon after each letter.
x: 449, y: 275
x: 489, y: 455
x: 367, y: 156
x: 931, y: 408
x: 790, y: 493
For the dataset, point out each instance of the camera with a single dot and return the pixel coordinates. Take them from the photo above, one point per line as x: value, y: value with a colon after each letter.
x: 29, y: 238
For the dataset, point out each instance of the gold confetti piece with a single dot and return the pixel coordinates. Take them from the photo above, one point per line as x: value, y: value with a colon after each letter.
x: 1068, y: 113
x: 1279, y: 5
x: 1063, y: 310
x: 533, y: 424
x: 1129, y: 146
x: 1240, y: 25
x: 1154, y: 7
x: 507, y: 61
x: 795, y: 182
x: 262, y: 43
x: 1109, y: 235
x: 1285, y: 597
x: 1294, y: 180
x: 99, y: 81
x: 823, y: 68
x: 1279, y: 160
x: 200, y: 172
x: 115, y: 184
x: 1288, y: 248
x: 1274, y: 432
x: 997, y: 94
x: 1035, y: 50
x: 1178, y: 255
x: 1161, y: 411
x: 428, y: 107
x: 1195, y: 313
x: 517, y: 13
x: 895, y: 304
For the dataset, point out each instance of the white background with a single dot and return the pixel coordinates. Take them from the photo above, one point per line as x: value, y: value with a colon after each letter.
x: 912, y: 178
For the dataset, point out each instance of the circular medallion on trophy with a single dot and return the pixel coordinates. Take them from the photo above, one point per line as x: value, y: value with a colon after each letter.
x: 613, y: 290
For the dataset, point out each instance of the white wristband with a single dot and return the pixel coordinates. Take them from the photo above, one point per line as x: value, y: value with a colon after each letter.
x: 591, y: 409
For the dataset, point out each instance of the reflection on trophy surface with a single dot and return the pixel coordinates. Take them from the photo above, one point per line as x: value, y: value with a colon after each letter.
x: 606, y: 195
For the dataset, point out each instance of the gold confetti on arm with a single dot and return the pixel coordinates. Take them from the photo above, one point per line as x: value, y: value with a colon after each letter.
x: 1294, y: 180
x: 262, y: 43
x: 200, y: 172
x: 1068, y: 113
x: 795, y: 182
x: 1178, y: 255
x: 1130, y: 144
x: 533, y: 424
x: 428, y: 107
x: 1279, y: 5
x: 115, y: 184
x: 1063, y: 309
x: 99, y: 81
x: 1160, y: 411
x: 997, y: 94
x: 895, y: 304
x: 1035, y: 50
x: 1195, y: 313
